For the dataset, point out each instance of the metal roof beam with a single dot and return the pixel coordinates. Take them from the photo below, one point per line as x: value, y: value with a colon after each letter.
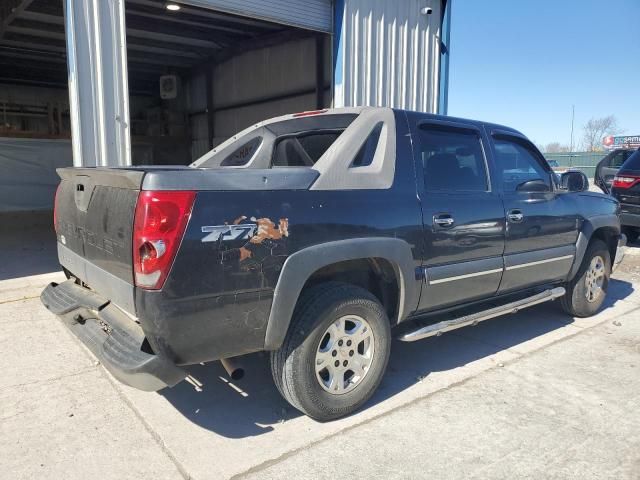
x: 35, y: 32
x: 134, y: 33
x: 161, y: 60
x: 161, y: 51
x: 172, y: 19
x: 29, y: 54
x: 165, y: 37
x: 36, y: 47
x: 32, y: 83
x: 10, y: 11
x: 48, y: 49
x: 41, y: 17
x: 161, y: 37
x: 32, y: 62
x: 56, y: 20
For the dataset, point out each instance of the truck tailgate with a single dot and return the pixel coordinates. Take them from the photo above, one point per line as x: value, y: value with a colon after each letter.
x: 94, y: 217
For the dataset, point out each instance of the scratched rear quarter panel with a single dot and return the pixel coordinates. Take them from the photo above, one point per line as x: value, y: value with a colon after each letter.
x: 217, y: 298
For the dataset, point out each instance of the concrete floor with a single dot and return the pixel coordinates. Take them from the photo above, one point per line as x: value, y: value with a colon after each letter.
x: 535, y: 394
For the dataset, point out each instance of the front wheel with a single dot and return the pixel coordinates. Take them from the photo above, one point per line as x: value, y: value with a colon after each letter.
x: 335, y: 353
x: 588, y: 289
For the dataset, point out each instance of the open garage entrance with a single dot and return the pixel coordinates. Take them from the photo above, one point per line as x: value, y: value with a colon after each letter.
x: 195, y: 77
x: 198, y: 76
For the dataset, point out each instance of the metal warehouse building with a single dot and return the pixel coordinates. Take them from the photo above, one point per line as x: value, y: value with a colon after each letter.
x: 122, y: 82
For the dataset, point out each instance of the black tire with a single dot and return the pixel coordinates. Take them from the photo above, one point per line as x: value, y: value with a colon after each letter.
x: 631, y: 233
x: 575, y: 301
x: 293, y: 365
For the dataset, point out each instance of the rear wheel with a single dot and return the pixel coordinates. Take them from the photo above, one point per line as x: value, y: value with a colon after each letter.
x: 335, y: 353
x: 588, y: 289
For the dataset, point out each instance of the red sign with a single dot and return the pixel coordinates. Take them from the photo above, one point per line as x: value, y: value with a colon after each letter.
x: 621, y: 141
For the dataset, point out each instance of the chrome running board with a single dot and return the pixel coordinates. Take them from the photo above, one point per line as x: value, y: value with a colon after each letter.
x: 475, y: 318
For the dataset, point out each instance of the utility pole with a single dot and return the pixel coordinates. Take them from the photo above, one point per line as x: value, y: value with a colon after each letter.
x: 573, y: 116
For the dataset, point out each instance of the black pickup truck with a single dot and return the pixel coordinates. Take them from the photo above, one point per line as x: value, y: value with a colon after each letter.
x: 313, y: 236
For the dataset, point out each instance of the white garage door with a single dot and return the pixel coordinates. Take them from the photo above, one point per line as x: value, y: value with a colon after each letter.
x: 311, y: 14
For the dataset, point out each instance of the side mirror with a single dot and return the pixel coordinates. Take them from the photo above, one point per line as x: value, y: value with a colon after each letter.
x: 574, y: 181
x: 533, y: 186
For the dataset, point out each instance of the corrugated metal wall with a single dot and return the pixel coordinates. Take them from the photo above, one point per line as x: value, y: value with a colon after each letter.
x: 387, y: 54
x: 286, y: 71
x: 312, y: 14
x: 196, y: 98
x: 98, y: 82
x: 253, y: 86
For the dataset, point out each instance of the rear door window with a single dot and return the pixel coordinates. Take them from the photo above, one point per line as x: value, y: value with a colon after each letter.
x: 453, y: 160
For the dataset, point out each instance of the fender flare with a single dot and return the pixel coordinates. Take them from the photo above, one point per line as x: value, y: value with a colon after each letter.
x: 299, y: 267
x: 589, y: 226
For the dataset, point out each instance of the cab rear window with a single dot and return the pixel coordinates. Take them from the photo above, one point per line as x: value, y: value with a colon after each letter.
x: 304, y: 149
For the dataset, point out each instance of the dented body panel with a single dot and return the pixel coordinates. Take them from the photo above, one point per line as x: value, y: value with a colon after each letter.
x: 217, y: 300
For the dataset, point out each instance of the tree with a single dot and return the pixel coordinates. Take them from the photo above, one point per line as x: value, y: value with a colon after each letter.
x: 596, y: 129
x: 556, y: 147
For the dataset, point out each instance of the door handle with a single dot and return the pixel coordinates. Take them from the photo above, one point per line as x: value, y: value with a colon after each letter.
x: 515, y: 216
x: 444, y: 221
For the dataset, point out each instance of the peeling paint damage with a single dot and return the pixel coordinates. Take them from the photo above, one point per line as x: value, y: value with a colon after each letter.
x: 266, y: 230
x: 250, y: 243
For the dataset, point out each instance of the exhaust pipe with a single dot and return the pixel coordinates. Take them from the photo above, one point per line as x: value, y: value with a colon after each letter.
x: 234, y: 370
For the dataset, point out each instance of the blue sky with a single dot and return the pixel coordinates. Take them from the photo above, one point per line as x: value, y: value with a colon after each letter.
x: 523, y: 63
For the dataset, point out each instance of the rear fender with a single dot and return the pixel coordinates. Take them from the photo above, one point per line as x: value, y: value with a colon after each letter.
x: 589, y: 227
x: 299, y: 267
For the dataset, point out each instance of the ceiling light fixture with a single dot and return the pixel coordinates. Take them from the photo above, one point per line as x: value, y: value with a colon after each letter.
x: 172, y: 7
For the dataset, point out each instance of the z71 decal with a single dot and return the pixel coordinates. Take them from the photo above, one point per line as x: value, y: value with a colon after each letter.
x: 229, y: 232
x: 259, y: 230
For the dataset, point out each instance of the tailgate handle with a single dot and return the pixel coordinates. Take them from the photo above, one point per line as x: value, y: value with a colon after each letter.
x: 83, y: 191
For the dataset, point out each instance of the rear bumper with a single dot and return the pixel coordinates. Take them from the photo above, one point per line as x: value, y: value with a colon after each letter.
x: 113, y: 337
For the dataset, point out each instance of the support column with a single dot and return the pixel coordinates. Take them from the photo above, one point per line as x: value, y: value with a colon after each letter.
x: 98, y: 82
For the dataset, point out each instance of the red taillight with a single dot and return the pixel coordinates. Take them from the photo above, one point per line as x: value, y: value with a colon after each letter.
x: 55, y: 208
x: 160, y: 221
x: 625, y: 181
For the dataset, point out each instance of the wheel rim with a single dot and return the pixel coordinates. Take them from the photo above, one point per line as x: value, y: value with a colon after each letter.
x: 344, y: 355
x: 594, y: 280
